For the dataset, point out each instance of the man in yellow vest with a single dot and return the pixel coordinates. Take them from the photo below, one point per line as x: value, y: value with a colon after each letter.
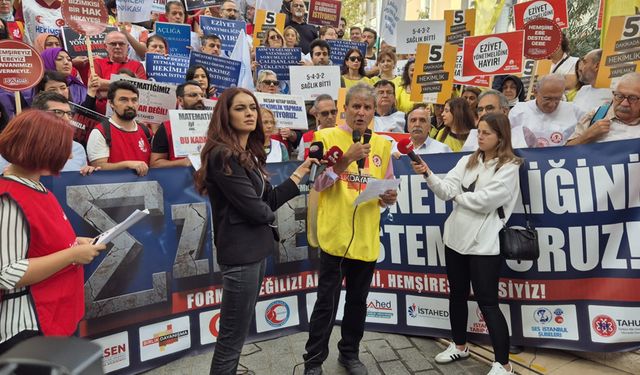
x: 348, y: 235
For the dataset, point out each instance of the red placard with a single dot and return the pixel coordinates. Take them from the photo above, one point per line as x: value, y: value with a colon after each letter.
x: 324, y: 12
x: 493, y: 54
x: 555, y: 10
x: 21, y: 67
x: 477, y: 81
x: 86, y: 17
x: 542, y: 37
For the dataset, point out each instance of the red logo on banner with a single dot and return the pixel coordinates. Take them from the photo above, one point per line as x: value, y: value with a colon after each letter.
x: 554, y: 10
x: 20, y: 65
x: 604, y: 325
x: 214, y: 325
x: 493, y: 54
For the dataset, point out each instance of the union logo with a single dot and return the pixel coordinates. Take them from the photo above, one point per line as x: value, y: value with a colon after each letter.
x: 604, y: 325
x: 277, y: 313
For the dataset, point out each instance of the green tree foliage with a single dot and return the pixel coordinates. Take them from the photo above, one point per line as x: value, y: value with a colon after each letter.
x: 353, y: 11
x: 582, y: 32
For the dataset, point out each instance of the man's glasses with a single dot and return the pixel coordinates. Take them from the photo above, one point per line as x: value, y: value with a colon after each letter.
x: 332, y: 112
x: 269, y: 82
x: 632, y: 99
x: 117, y: 44
x: 60, y: 113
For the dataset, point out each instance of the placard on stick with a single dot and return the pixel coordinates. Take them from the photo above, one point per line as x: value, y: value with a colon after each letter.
x: 21, y: 68
x: 86, y: 17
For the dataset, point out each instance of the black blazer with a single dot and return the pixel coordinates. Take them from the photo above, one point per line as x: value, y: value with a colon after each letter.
x: 243, y: 205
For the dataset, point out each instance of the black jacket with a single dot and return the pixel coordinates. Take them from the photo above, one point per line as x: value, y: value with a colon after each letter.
x: 243, y: 205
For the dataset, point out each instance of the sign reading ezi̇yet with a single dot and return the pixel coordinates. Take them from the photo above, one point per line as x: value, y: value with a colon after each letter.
x: 555, y: 10
x: 493, y: 54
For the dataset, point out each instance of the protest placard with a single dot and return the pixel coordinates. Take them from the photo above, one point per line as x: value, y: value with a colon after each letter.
x: 199, y: 4
x: 178, y: 36
x: 542, y: 37
x: 311, y: 81
x: 289, y: 110
x: 155, y: 99
x: 223, y: 72
x: 555, y: 10
x: 459, y: 24
x: 264, y: 21
x: 158, y: 6
x: 533, y: 70
x: 410, y: 33
x: 278, y: 60
x: 134, y: 10
x: 341, y: 118
x: 270, y: 5
x: 493, y: 54
x: 459, y: 79
x: 226, y: 30
x: 188, y: 130
x: 324, y: 12
x: 340, y: 47
x: 392, y: 12
x: 433, y: 73
x: 87, y: 17
x: 400, y: 67
x: 21, y: 68
x: 620, y: 53
x: 167, y: 69
x: 75, y: 45
x: 84, y: 120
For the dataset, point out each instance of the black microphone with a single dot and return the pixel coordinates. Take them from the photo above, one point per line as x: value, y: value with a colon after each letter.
x: 365, y: 139
x: 355, y: 136
x: 316, y: 151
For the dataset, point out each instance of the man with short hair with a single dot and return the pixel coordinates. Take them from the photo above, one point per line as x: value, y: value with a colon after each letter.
x: 589, y: 97
x: 189, y: 95
x: 348, y: 236
x: 355, y: 34
x: 211, y: 45
x: 418, y: 127
x: 121, y: 143
x: 325, y: 111
x: 229, y: 10
x: 547, y: 120
x: 620, y: 120
x: 341, y: 26
x: 320, y: 52
x: 387, y: 117
x: 297, y: 20
x: 370, y: 36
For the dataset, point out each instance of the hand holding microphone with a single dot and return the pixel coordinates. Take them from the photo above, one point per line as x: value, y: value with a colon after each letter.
x: 359, y: 151
x: 316, y: 151
x: 419, y: 166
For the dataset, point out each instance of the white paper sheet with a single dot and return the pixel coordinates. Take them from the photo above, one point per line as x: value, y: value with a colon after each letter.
x: 109, y: 235
x: 375, y: 188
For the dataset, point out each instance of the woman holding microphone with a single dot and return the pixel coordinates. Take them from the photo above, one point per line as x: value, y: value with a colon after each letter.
x: 243, y: 202
x: 480, y: 183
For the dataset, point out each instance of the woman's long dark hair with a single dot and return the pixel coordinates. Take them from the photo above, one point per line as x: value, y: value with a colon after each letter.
x: 221, y: 134
x: 345, y: 69
x: 191, y: 72
x: 406, y: 80
x: 463, y: 117
x: 499, y: 123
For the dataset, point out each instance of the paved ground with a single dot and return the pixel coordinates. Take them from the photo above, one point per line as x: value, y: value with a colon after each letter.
x: 383, y: 354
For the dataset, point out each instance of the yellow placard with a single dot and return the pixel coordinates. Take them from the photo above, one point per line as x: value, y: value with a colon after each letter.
x: 459, y: 24
x: 620, y: 53
x: 264, y: 21
x: 342, y: 97
x: 487, y: 16
x: 613, y: 8
x: 433, y: 73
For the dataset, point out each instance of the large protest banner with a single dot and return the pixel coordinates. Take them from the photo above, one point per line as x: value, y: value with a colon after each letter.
x: 227, y: 30
x: 311, y: 81
x: 410, y: 33
x: 160, y: 278
x: 264, y: 21
x: 168, y: 69
x: 75, y: 45
x: 223, y: 72
x: 324, y: 12
x: 392, y: 12
x: 555, y: 10
x: 620, y: 52
x: 188, y: 130
x: 340, y: 47
x: 459, y: 24
x: 433, y: 73
x: 155, y: 99
x: 289, y: 110
x: 493, y: 54
x: 178, y: 36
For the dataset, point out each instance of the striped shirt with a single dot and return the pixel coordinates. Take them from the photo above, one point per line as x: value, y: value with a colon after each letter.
x: 16, y: 314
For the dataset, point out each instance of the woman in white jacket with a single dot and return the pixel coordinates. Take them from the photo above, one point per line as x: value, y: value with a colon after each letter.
x: 479, y: 184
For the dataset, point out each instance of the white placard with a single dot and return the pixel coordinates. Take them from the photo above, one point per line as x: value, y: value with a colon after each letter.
x: 188, y: 131
x: 289, y: 110
x: 410, y: 33
x: 392, y: 12
x: 134, y: 10
x: 311, y: 81
x: 155, y: 99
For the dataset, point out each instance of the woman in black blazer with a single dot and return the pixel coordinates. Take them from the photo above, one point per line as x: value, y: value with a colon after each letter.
x: 243, y: 202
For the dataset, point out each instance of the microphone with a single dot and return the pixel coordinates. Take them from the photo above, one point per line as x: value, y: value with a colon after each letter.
x: 333, y: 156
x: 365, y: 139
x: 406, y: 148
x: 355, y: 136
x: 315, y: 151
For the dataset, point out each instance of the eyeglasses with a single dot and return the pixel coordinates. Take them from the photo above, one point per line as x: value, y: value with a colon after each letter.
x: 60, y: 113
x: 487, y: 108
x: 632, y: 99
x: 332, y: 112
x: 269, y: 82
x: 274, y: 37
x: 355, y: 58
x: 117, y: 44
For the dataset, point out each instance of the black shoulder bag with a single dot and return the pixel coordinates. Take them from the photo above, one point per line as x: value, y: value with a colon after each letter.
x: 519, y: 244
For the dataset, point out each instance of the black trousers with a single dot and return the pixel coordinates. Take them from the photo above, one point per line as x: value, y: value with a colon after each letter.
x: 483, y: 272
x: 332, y: 271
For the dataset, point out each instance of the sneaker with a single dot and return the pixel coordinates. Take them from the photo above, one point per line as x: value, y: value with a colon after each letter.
x: 353, y: 366
x: 313, y: 370
x: 498, y: 369
x: 452, y: 354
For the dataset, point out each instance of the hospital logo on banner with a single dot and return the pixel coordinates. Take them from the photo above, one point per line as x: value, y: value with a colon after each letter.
x: 164, y: 338
x: 428, y: 312
x: 382, y: 308
x: 614, y: 324
x: 550, y: 322
x: 209, y: 326
x: 276, y: 314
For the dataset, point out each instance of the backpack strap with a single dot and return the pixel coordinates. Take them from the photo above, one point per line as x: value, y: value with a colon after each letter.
x: 106, y: 132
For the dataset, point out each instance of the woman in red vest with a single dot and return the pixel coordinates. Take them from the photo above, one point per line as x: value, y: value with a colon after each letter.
x: 41, y: 274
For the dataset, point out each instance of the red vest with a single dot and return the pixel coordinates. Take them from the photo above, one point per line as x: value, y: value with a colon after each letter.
x: 127, y: 145
x: 172, y: 153
x: 59, y: 299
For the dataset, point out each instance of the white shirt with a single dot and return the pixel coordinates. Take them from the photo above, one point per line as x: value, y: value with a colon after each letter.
x: 589, y: 98
x: 40, y: 20
x: 393, y: 123
x: 618, y: 130
x: 517, y: 139
x: 96, y: 144
x: 549, y: 129
x: 567, y: 67
x: 473, y: 226
x: 430, y: 146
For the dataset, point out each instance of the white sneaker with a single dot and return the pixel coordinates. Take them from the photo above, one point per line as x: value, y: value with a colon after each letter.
x: 498, y: 369
x: 452, y: 354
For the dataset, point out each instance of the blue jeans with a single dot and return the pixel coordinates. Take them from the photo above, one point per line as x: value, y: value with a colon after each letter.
x: 240, y: 288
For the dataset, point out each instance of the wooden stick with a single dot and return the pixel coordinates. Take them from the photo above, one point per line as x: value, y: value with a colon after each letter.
x: 18, y: 102
x: 534, y: 71
x: 87, y: 42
